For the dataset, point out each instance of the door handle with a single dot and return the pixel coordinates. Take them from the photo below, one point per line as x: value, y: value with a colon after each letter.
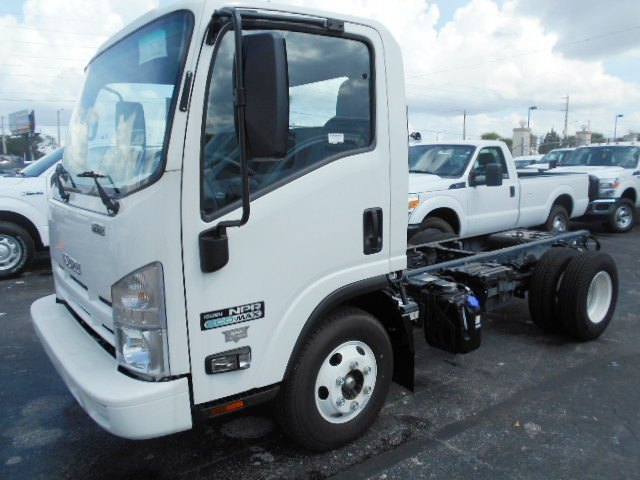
x: 372, y: 230
x: 512, y: 191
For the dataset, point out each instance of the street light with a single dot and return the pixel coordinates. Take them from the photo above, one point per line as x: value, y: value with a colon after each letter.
x: 615, y: 129
x: 58, y: 113
x: 529, y: 114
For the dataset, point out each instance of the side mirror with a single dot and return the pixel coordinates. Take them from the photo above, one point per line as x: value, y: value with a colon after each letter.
x: 494, y: 175
x: 553, y: 164
x: 473, y: 181
x: 266, y: 83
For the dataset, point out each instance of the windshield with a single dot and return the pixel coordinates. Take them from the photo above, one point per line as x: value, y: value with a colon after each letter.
x: 119, y: 127
x: 39, y: 167
x: 605, y: 156
x: 443, y: 160
x: 559, y: 155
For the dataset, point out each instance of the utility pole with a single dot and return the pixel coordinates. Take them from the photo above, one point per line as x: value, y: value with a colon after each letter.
x: 464, y: 124
x: 58, y: 112
x: 4, y: 142
x: 566, y: 116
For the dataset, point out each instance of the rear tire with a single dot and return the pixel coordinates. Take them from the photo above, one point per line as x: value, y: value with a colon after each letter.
x: 623, y: 218
x: 313, y: 407
x: 588, y: 294
x: 543, y: 289
x: 16, y: 250
x: 558, y: 220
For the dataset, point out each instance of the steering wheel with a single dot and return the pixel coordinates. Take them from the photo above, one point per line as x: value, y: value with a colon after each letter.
x: 223, y: 160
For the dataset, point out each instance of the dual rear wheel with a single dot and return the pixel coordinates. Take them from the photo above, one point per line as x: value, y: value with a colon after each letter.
x: 573, y: 293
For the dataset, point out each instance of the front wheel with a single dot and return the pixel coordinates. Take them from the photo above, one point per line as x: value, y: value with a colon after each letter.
x: 623, y: 218
x: 339, y: 382
x: 16, y: 250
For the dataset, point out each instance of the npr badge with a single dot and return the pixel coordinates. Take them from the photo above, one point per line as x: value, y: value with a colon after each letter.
x: 231, y: 316
x: 236, y: 334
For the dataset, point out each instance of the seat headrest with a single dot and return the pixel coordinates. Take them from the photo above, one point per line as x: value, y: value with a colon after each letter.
x: 353, y: 99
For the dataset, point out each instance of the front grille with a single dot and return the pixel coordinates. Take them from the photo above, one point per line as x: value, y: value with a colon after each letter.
x: 594, y: 187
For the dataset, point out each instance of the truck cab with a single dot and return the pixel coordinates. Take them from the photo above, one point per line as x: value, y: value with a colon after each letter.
x: 199, y: 227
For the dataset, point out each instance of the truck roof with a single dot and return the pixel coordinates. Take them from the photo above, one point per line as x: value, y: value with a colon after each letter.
x: 205, y: 6
x: 474, y: 143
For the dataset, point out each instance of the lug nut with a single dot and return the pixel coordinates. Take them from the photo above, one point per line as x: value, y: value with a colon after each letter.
x: 367, y: 390
x: 366, y: 370
x: 354, y: 365
x: 340, y: 401
x: 340, y: 381
x: 355, y: 406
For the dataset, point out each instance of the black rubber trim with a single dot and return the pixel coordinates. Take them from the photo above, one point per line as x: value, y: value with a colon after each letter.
x: 110, y: 349
x: 334, y: 299
x: 251, y: 398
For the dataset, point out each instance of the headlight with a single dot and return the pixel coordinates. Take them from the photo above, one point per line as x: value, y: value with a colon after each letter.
x: 414, y: 201
x: 607, y: 187
x: 140, y: 322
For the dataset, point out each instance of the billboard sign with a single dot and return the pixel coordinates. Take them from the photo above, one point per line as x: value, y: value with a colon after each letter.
x: 22, y: 122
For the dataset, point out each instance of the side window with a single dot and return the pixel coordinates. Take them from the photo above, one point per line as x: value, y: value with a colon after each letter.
x: 489, y: 155
x: 330, y: 116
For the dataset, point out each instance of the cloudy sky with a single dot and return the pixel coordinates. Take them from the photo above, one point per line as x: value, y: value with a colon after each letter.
x: 492, y: 58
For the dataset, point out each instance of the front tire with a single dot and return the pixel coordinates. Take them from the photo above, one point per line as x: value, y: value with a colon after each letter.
x: 16, y: 250
x: 623, y: 218
x: 339, y: 381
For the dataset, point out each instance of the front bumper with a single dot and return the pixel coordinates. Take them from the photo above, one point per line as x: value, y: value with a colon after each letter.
x: 120, y: 404
x: 602, y: 207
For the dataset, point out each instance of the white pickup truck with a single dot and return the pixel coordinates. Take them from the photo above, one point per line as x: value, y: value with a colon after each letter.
x: 614, y: 172
x: 23, y: 214
x: 472, y: 188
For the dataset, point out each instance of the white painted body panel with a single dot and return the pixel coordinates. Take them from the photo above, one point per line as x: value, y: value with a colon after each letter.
x: 629, y: 177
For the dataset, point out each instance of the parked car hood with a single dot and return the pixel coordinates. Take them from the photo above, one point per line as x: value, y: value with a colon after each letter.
x: 600, y: 172
x: 425, y: 182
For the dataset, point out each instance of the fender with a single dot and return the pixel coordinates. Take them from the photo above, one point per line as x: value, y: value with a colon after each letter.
x: 629, y: 184
x: 36, y: 217
x: 431, y: 202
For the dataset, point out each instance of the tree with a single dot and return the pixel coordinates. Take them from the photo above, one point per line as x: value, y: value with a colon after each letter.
x: 551, y: 140
x: 39, y: 144
x: 490, y: 136
x: 597, y: 137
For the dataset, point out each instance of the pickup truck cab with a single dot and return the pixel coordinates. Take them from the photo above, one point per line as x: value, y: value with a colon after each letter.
x: 453, y: 188
x: 23, y: 214
x: 614, y: 170
x: 554, y: 157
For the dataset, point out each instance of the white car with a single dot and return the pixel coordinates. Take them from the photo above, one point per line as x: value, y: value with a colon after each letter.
x: 523, y: 161
x: 557, y: 157
x: 23, y: 214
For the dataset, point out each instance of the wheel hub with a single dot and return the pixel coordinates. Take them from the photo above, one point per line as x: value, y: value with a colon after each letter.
x: 623, y: 217
x: 559, y: 225
x: 10, y: 252
x: 345, y: 382
x: 599, y: 297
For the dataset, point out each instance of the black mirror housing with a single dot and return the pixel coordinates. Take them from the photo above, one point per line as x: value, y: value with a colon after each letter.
x: 553, y: 164
x: 494, y: 175
x: 266, y: 83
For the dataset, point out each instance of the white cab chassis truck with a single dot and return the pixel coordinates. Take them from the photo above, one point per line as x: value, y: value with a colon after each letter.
x: 23, y: 214
x: 453, y: 188
x: 614, y: 173
x: 187, y: 284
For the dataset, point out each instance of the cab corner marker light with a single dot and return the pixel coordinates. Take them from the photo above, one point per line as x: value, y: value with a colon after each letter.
x: 229, y: 407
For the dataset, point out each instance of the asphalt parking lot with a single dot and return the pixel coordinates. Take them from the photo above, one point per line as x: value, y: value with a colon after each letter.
x: 524, y: 405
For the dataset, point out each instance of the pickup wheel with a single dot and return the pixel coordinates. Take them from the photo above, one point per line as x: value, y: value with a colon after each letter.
x: 543, y: 289
x: 430, y: 226
x: 16, y: 250
x: 339, y: 381
x: 588, y: 294
x: 558, y: 220
x: 623, y: 218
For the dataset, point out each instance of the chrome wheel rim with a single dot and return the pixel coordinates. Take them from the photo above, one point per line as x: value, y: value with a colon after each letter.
x: 345, y: 382
x: 10, y: 252
x: 623, y: 217
x: 559, y: 224
x: 599, y: 297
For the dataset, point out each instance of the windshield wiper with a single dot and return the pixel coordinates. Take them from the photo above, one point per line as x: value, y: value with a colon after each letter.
x: 111, y: 205
x: 57, y: 175
x: 422, y: 171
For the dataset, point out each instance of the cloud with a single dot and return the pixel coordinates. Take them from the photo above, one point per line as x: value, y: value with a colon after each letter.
x: 45, y: 52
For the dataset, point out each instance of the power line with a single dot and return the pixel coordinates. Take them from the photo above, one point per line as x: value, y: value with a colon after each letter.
x: 53, y: 31
x: 57, y: 17
x: 47, y: 58
x: 57, y: 44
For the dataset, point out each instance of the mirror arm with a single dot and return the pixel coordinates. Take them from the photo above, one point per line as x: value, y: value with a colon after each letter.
x: 240, y: 102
